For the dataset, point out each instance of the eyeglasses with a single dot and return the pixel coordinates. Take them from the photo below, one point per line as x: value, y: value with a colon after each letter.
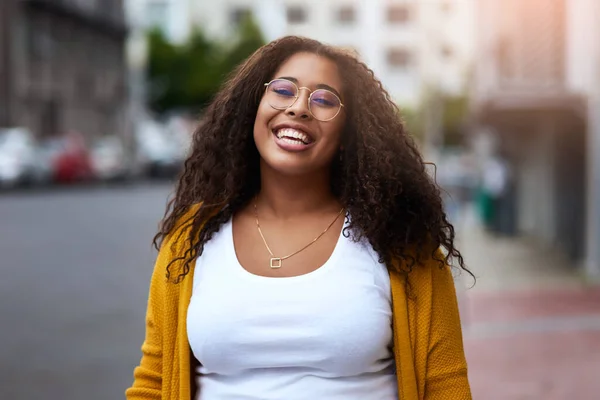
x: 323, y: 104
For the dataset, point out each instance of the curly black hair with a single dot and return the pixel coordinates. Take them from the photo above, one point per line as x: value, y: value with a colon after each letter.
x: 381, y: 179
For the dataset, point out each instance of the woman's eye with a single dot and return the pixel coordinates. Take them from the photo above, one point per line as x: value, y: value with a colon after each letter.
x: 283, y: 92
x: 323, y: 102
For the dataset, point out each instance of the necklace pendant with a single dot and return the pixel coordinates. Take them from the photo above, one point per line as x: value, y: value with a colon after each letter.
x: 276, y: 262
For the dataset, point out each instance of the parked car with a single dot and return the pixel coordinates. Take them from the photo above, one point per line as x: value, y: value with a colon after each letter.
x: 109, y: 159
x: 69, y: 157
x: 180, y: 129
x: 158, y: 155
x: 20, y: 161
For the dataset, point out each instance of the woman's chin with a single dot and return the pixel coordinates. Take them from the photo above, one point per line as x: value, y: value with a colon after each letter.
x: 288, y: 165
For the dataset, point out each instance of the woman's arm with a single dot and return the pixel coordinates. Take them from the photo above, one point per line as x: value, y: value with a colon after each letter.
x: 446, y: 364
x: 162, y: 303
x: 147, y: 384
x: 161, y: 319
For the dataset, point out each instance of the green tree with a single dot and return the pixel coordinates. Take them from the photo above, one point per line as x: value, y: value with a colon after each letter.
x: 248, y: 39
x: 454, y: 119
x: 443, y: 117
x: 203, y: 70
x: 413, y: 121
x: 163, y: 58
x: 188, y: 76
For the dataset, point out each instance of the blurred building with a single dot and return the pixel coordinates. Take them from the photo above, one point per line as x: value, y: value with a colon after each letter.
x: 384, y: 33
x: 536, y: 72
x: 411, y: 45
x: 170, y: 16
x: 62, y: 66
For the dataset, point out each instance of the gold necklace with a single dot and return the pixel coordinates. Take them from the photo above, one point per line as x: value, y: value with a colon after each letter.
x: 276, y: 262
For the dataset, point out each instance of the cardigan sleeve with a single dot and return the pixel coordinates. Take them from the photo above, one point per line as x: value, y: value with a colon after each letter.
x: 446, y: 376
x: 147, y: 384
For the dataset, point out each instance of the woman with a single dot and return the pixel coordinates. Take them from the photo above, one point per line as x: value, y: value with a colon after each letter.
x: 303, y: 256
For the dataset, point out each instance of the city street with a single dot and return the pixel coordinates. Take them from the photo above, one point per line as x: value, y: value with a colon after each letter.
x: 103, y: 102
x: 76, y: 265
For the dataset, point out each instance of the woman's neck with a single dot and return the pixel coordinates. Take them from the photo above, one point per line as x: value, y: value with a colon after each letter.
x: 286, y: 197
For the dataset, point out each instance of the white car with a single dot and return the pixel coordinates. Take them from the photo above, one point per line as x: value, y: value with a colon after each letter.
x: 20, y: 159
x: 109, y: 159
x: 158, y: 154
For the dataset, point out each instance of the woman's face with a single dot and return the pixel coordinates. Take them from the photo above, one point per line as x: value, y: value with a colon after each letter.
x: 291, y: 140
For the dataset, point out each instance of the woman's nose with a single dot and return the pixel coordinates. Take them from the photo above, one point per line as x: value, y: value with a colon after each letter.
x: 300, y: 107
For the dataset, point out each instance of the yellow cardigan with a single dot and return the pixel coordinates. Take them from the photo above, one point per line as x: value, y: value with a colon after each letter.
x: 428, y: 346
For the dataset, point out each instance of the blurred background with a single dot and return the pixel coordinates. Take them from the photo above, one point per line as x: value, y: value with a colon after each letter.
x: 98, y: 100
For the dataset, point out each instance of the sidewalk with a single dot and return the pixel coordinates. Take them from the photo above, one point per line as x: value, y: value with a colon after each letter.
x: 531, y: 325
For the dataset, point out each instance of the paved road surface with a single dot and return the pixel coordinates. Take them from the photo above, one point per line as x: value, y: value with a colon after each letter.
x: 75, y: 268
x: 531, y: 325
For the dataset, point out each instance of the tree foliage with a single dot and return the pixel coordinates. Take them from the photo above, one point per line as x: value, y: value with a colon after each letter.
x: 454, y: 119
x: 441, y: 111
x: 187, y: 76
x: 413, y: 119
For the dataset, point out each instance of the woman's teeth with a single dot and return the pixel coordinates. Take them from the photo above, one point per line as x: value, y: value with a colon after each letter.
x: 292, y: 136
x: 291, y: 141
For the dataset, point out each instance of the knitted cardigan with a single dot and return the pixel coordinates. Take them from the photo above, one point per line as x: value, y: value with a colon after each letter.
x: 428, y: 346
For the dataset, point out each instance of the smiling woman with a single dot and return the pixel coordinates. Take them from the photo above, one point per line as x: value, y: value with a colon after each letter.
x: 306, y: 252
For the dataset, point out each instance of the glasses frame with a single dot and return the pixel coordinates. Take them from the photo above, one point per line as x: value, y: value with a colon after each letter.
x: 309, y: 98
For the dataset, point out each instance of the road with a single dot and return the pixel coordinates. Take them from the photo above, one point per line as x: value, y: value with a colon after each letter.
x: 75, y: 266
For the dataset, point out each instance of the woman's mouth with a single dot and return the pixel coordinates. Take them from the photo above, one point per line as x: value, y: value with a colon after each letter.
x: 293, y: 136
x: 293, y: 140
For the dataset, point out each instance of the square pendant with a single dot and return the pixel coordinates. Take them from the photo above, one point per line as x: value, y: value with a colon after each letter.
x: 276, y: 262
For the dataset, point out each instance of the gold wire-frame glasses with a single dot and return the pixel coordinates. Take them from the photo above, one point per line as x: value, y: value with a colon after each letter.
x: 283, y: 100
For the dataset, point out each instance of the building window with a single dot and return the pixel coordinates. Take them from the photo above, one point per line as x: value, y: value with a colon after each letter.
x: 346, y: 14
x: 398, y: 14
x: 157, y: 15
x: 296, y: 15
x: 238, y: 15
x: 114, y: 10
x: 446, y: 6
x: 446, y: 51
x: 87, y: 5
x: 40, y: 40
x: 398, y: 58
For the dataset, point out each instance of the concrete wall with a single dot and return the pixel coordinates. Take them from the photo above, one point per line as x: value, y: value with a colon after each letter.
x: 534, y: 176
x: 550, y: 172
x: 593, y: 142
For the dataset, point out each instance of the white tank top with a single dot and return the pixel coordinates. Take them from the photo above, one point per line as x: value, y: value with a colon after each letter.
x: 323, y: 335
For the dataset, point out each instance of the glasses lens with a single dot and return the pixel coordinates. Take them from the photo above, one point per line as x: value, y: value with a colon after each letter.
x: 324, y: 105
x: 281, y: 93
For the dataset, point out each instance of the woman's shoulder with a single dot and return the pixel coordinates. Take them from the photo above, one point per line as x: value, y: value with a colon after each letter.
x: 183, y: 222
x: 430, y: 272
x: 172, y: 249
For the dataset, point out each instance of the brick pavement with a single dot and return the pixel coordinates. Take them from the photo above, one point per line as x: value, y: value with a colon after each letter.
x: 531, y: 324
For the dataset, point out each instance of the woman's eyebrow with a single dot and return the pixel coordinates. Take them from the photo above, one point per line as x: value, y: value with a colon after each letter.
x: 324, y: 86
x: 319, y: 86
x: 289, y: 78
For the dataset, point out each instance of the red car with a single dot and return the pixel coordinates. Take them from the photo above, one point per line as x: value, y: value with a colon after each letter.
x: 70, y: 158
